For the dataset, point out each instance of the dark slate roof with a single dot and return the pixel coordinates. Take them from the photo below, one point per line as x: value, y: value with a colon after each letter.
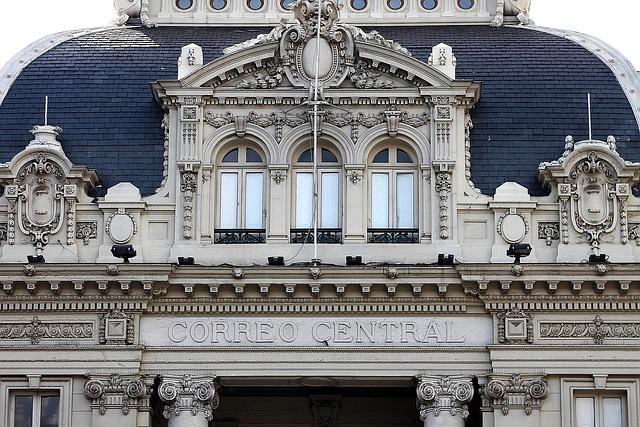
x: 534, y: 89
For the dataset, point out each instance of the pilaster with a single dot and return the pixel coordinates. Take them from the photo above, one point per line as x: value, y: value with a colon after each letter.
x: 443, y: 400
x: 189, y: 401
x: 121, y: 400
x: 355, y: 198
x: 516, y: 399
x: 279, y: 185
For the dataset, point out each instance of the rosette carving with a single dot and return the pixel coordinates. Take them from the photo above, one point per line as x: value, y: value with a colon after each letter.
x: 515, y: 390
x: 116, y: 391
x: 449, y: 394
x: 188, y: 394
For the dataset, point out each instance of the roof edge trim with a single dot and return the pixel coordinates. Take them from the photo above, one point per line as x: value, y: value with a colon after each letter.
x: 626, y: 74
x: 12, y: 69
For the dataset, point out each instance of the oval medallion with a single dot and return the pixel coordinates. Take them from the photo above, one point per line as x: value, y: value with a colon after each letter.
x: 325, y: 58
x: 121, y: 228
x: 513, y: 228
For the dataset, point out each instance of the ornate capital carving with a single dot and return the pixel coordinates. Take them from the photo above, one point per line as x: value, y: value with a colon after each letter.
x: 196, y: 395
x: 117, y: 391
x: 438, y: 394
x: 525, y: 391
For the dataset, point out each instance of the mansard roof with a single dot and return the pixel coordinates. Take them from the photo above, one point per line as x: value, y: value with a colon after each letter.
x: 534, y: 87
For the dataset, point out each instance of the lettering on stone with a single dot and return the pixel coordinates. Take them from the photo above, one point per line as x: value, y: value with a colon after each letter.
x: 316, y: 332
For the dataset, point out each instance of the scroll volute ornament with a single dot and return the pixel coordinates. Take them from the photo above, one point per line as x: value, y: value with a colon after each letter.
x: 298, y: 45
x: 593, y: 185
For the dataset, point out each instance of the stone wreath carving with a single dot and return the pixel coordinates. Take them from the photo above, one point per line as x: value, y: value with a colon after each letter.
x: 530, y: 390
x: 188, y: 394
x: 36, y: 330
x: 549, y: 231
x: 86, y: 231
x: 115, y: 390
x: 439, y: 394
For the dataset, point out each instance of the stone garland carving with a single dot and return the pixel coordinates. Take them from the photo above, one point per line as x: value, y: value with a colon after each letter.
x: 3, y: 232
x: 71, y: 213
x: 519, y: 8
x: 165, y: 156
x: 268, y: 77
x: 548, y: 231
x: 188, y: 186
x: 187, y: 393
x: 36, y: 330
x: 128, y: 390
x: 218, y: 120
x: 514, y: 326
x: 363, y: 77
x: 598, y: 330
x: 468, y: 125
x: 532, y: 390
x: 443, y: 188
x: 87, y: 231
x: 438, y: 394
x: 116, y: 327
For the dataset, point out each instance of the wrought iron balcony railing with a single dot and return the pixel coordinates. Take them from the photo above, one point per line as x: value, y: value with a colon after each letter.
x: 393, y: 235
x: 325, y: 235
x: 239, y: 236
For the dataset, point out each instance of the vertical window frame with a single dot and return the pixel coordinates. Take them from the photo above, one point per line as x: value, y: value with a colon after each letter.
x: 62, y: 386
x: 627, y: 386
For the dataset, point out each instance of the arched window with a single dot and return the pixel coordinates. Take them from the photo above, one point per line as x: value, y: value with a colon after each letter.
x: 329, y: 208
x: 393, y: 193
x: 241, y: 200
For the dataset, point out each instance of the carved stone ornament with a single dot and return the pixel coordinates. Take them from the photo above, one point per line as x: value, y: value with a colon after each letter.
x: 512, y: 226
x: 121, y: 226
x: 443, y: 188
x: 86, y: 231
x: 218, y: 120
x: 3, y: 232
x: 355, y: 176
x: 526, y: 391
x: 115, y: 391
x: 548, y: 231
x: 196, y: 395
x: 268, y: 77
x: 325, y: 410
x: 438, y: 395
x: 279, y: 176
x: 514, y: 327
x: 116, y: 327
x: 188, y: 186
x: 518, y: 8
x: 634, y: 233
x: 131, y: 9
x: 593, y: 185
x: 36, y: 331
x: 165, y: 157
x: 598, y: 330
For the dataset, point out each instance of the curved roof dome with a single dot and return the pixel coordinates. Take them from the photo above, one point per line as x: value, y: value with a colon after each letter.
x: 534, y: 88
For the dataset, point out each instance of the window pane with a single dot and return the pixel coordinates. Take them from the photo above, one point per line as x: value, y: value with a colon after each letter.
x: 306, y: 157
x: 585, y: 416
x: 23, y: 414
x: 612, y: 407
x: 231, y: 156
x: 228, y: 200
x: 404, y: 157
x: 330, y: 202
x: 253, y: 156
x: 328, y: 156
x: 304, y: 199
x: 380, y: 200
x: 382, y: 157
x: 49, y: 412
x: 253, y: 200
x: 404, y: 200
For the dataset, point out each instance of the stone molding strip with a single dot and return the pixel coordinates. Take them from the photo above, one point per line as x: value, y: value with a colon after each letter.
x: 12, y: 69
x: 621, y: 67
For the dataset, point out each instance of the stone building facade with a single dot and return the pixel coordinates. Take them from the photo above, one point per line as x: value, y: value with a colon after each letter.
x: 185, y: 133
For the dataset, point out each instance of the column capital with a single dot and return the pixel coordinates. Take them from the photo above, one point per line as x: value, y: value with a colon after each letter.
x: 441, y: 393
x: 516, y: 390
x: 115, y: 391
x: 188, y: 393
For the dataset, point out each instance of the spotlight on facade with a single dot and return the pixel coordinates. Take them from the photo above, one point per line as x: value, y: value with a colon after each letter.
x: 276, y: 260
x: 445, y: 260
x: 125, y: 252
x: 354, y: 260
x: 519, y: 250
x: 186, y: 260
x: 598, y: 259
x: 35, y: 259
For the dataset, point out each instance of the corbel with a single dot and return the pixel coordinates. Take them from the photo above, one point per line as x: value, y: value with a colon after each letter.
x: 78, y: 287
x: 315, y: 289
x: 32, y: 288
x: 54, y: 286
x: 528, y: 286
x: 624, y: 286
x: 552, y: 287
x: 238, y: 288
x: 442, y: 289
x: 290, y: 289
x: 7, y: 287
x: 391, y: 289
x: 576, y: 286
x: 365, y: 289
x: 125, y: 286
x: 264, y: 289
x: 416, y: 289
x: 600, y: 286
x: 147, y: 286
x: 102, y: 286
x: 505, y: 286
x: 214, y: 288
x: 340, y: 289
